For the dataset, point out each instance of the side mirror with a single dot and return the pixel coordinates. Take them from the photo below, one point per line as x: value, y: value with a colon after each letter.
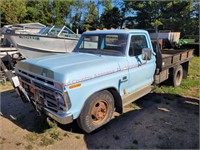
x: 146, y: 53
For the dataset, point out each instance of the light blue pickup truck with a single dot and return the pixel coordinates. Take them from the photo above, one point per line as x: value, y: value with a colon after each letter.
x: 107, y: 70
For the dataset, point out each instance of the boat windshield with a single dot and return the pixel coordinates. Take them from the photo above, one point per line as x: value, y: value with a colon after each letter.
x: 58, y: 31
x: 105, y: 44
x: 45, y: 30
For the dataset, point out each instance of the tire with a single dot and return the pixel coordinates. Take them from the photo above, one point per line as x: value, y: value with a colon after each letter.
x: 97, y: 111
x: 177, y: 76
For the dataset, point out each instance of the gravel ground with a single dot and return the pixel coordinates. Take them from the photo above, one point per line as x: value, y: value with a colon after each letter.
x: 155, y: 121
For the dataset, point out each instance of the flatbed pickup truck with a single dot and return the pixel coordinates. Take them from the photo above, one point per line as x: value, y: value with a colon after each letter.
x: 107, y: 70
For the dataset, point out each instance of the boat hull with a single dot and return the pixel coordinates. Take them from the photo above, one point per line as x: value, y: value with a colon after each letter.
x: 33, y: 46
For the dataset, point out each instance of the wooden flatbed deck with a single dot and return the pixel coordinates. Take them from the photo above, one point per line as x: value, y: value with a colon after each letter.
x: 173, y: 57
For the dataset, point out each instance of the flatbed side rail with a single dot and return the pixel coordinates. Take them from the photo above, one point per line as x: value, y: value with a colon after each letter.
x: 172, y: 58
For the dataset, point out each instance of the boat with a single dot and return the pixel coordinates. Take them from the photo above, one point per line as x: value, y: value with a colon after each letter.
x: 48, y: 41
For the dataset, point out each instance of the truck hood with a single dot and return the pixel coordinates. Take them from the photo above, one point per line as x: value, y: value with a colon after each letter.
x: 72, y: 68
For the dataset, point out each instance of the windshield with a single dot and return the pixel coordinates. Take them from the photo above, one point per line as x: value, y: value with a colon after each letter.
x: 108, y: 44
x: 45, y: 30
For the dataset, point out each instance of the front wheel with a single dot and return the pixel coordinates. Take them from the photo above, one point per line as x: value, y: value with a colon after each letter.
x: 97, y: 111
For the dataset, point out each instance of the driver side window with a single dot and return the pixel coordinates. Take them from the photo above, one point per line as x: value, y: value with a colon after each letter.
x: 138, y: 42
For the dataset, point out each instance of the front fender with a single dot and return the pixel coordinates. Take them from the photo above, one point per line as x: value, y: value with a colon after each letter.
x: 79, y: 95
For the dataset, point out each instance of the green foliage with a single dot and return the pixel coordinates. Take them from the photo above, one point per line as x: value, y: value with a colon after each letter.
x: 46, y: 137
x: 107, y: 5
x: 60, y: 9
x: 12, y: 12
x: 92, y: 17
x: 115, y: 18
x: 76, y: 21
x: 176, y: 15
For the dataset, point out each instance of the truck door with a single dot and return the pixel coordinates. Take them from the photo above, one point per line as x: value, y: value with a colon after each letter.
x: 141, y: 72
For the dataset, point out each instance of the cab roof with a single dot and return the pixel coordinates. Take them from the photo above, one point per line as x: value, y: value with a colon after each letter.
x: 117, y: 31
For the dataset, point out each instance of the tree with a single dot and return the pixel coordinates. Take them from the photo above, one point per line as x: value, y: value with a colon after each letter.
x: 60, y: 10
x: 91, y: 21
x: 176, y: 15
x: 114, y: 16
x: 180, y: 16
x: 12, y: 12
x: 38, y: 11
x: 75, y: 16
x: 107, y: 5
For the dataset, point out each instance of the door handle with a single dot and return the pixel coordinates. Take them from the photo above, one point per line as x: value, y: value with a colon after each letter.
x: 124, y: 79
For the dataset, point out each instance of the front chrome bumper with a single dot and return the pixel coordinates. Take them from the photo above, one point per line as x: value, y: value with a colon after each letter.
x: 63, y: 118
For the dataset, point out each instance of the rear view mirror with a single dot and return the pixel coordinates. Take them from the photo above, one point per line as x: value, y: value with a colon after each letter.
x: 146, y: 53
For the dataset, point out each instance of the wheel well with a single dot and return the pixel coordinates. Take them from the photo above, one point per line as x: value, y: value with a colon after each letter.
x: 117, y: 98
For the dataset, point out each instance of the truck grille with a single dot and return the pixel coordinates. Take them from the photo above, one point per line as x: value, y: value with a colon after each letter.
x: 37, y: 78
x: 42, y: 93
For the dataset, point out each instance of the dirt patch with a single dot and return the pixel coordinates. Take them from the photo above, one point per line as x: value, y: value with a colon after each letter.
x: 155, y: 121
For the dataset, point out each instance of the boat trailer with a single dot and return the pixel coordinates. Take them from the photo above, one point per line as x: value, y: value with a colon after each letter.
x: 8, y: 74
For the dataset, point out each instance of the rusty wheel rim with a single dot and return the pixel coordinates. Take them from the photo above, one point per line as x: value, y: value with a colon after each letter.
x: 99, y: 112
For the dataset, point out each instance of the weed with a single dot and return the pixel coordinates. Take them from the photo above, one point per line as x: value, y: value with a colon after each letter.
x: 5, y: 86
x: 31, y: 137
x: 46, y: 138
x: 54, y: 134
x: 18, y: 143
x: 29, y: 147
x: 65, y: 134
x: 77, y: 137
x: 134, y: 106
x: 45, y: 141
x: 52, y: 124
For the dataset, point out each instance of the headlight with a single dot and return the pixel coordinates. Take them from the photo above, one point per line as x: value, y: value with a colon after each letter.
x: 63, y: 101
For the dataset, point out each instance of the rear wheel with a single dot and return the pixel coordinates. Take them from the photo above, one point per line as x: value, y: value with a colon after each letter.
x: 177, y: 76
x: 97, y: 111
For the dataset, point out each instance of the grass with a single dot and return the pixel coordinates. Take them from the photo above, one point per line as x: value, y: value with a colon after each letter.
x: 5, y: 87
x: 190, y: 86
x: 134, y: 106
x: 29, y: 147
x: 47, y: 137
x: 77, y: 137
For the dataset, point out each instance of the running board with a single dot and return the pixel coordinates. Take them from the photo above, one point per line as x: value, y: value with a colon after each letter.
x: 127, y: 99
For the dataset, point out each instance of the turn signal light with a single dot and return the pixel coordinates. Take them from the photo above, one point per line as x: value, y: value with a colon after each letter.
x: 74, y: 86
